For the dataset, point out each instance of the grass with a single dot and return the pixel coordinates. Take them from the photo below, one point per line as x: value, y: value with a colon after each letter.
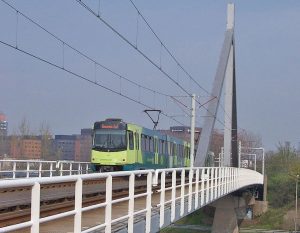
x: 196, y: 218
x: 272, y: 219
x: 175, y: 230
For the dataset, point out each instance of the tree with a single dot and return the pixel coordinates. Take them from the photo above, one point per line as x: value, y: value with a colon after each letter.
x: 281, y: 167
x: 45, y: 133
x: 249, y: 139
x: 24, y: 128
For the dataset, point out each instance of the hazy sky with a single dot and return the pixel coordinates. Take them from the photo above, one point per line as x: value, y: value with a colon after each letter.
x: 267, y: 36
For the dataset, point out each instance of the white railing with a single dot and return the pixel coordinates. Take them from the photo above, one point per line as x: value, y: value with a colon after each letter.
x: 203, y: 186
x: 66, y: 167
x: 40, y: 168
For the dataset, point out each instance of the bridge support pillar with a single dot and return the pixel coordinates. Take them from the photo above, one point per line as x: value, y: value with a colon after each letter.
x: 225, y: 219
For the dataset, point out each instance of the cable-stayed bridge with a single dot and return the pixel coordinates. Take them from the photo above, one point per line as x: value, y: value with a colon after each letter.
x: 67, y: 200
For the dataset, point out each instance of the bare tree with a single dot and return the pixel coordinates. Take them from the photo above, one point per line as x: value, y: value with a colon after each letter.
x: 24, y: 128
x: 46, y: 136
x: 249, y: 139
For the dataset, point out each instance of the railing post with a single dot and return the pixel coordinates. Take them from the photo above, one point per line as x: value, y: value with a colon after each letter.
x: 212, y: 182
x: 227, y: 180
x: 70, y: 168
x: 173, y: 200
x: 131, y: 203
x: 202, y: 187
x: 216, y: 183
x: 236, y: 178
x: 231, y: 180
x: 40, y: 169
x: 35, y: 208
x: 191, y: 174
x: 221, y: 181
x: 162, y: 198
x: 61, y: 165
x: 79, y: 169
x: 27, y: 169
x: 14, y: 169
x: 182, y: 192
x: 78, y: 206
x: 148, y: 202
x: 197, y: 189
x: 51, y: 169
x: 207, y: 185
x: 108, y: 206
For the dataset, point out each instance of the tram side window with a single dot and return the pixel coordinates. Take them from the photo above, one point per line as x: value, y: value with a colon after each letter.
x: 161, y: 147
x: 165, y: 147
x: 130, y: 139
x: 171, y: 148
x: 174, y: 149
x: 151, y: 144
x: 143, y: 142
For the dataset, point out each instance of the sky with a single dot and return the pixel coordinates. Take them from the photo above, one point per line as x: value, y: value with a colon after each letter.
x: 267, y: 40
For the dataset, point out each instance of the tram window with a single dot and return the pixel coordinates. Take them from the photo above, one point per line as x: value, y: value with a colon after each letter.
x: 179, y: 151
x: 130, y: 139
x: 143, y: 142
x: 151, y: 144
x: 147, y: 143
x: 160, y: 147
x: 174, y: 149
x: 164, y: 147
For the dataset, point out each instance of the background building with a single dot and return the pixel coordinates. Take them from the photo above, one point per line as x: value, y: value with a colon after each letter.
x: 85, y: 145
x: 74, y: 147
x: 64, y: 146
x: 25, y: 147
x: 3, y: 125
x: 4, y: 148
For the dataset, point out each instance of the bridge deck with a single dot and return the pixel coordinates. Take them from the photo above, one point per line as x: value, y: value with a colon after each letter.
x: 158, y: 203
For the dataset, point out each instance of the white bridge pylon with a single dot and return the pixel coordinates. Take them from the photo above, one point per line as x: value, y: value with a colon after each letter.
x: 225, y: 73
x: 168, y: 195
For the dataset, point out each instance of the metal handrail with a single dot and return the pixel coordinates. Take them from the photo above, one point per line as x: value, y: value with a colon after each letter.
x: 204, y: 185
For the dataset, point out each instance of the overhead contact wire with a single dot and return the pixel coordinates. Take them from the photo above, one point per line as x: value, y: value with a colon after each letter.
x: 81, y: 53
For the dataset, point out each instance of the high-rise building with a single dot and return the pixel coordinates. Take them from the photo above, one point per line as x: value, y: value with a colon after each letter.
x: 3, y: 125
x: 3, y: 135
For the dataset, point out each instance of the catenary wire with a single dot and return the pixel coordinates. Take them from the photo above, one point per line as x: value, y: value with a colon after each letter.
x: 168, y: 51
x: 85, y: 79
x: 83, y: 54
x: 143, y: 54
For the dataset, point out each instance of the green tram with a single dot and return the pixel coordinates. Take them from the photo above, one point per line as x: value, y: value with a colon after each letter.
x: 120, y: 146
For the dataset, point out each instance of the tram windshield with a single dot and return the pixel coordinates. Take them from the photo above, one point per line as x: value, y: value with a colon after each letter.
x: 109, y: 140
